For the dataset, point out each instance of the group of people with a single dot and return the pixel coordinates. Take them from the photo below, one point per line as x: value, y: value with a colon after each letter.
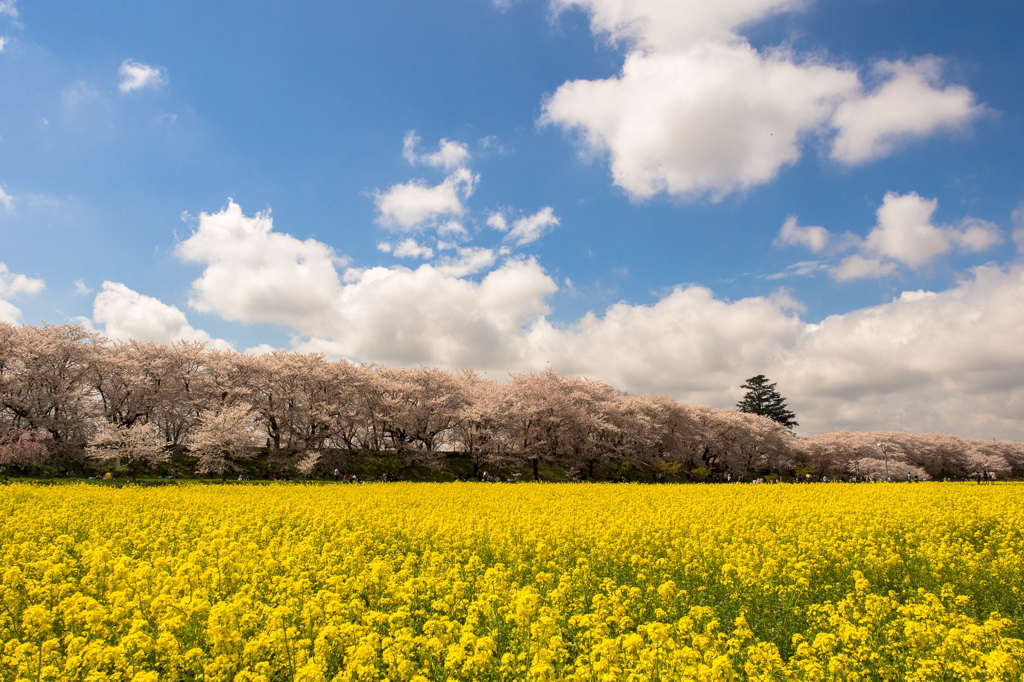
x: 484, y: 477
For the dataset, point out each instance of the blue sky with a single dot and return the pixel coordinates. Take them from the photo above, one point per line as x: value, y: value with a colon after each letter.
x: 670, y: 196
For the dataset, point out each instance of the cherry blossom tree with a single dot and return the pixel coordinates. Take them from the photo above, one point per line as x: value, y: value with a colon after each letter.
x: 479, y: 430
x: 64, y: 380
x: 45, y: 381
x: 225, y: 439
x: 424, y: 406
x: 141, y: 444
x: 22, y: 448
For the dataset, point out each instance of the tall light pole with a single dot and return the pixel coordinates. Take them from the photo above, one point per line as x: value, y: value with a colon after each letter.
x: 885, y: 453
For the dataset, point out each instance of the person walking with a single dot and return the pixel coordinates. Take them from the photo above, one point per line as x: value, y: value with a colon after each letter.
x: 337, y: 474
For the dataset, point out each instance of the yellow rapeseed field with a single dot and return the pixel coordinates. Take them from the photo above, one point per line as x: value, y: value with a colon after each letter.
x: 513, y: 582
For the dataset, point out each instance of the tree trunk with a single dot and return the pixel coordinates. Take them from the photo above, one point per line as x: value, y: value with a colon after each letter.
x: 591, y: 469
x: 536, y: 473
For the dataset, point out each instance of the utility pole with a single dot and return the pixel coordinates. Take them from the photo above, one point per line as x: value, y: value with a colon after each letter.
x: 885, y: 452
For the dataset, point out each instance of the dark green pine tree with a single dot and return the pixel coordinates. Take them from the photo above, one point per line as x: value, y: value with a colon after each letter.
x: 763, y: 399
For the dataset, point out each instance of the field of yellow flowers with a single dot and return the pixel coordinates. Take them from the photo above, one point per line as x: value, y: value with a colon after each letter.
x: 467, y: 581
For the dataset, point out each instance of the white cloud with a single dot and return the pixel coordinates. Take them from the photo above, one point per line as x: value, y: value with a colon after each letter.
x: 254, y: 274
x: 12, y: 285
x: 471, y: 260
x: 430, y: 316
x: 498, y: 222
x: 384, y: 246
x: 410, y: 249
x: 410, y: 143
x: 3, y: 42
x: 911, y: 103
x: 531, y: 228
x: 260, y: 349
x: 6, y: 199
x: 688, y: 344
x: 802, y: 269
x: 904, y: 233
x: 449, y: 155
x: 128, y: 315
x: 976, y: 235
x: 397, y: 315
x: 946, y: 361
x: 9, y: 7
x: 81, y: 289
x: 950, y: 361
x: 1017, y: 219
x: 408, y: 206
x: 673, y: 24
x: 697, y: 111
x: 135, y: 76
x: 859, y: 267
x: 452, y: 228
x: 715, y: 119
x: 813, y: 237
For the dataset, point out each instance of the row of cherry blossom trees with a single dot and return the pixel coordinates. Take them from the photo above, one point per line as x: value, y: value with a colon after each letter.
x: 67, y: 395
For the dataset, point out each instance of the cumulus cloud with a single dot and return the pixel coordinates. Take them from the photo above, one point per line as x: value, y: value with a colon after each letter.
x: 1017, y: 218
x: 449, y: 155
x: 128, y: 315
x: 904, y: 233
x: 673, y: 24
x: 12, y: 285
x: 697, y: 111
x: 688, y: 344
x: 409, y: 205
x: 135, y: 76
x: 911, y: 364
x: 471, y: 260
x: 813, y: 237
x: 928, y: 361
x: 430, y: 315
x: 81, y: 289
x: 529, y: 229
x: 950, y: 360
x: 259, y: 349
x: 859, y: 267
x: 410, y: 249
x: 498, y: 222
x: 452, y: 227
x: 715, y: 119
x: 912, y: 102
x: 254, y: 274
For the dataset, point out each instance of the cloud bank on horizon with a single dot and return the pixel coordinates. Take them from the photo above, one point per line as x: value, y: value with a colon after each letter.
x: 697, y: 117
x: 919, y: 362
